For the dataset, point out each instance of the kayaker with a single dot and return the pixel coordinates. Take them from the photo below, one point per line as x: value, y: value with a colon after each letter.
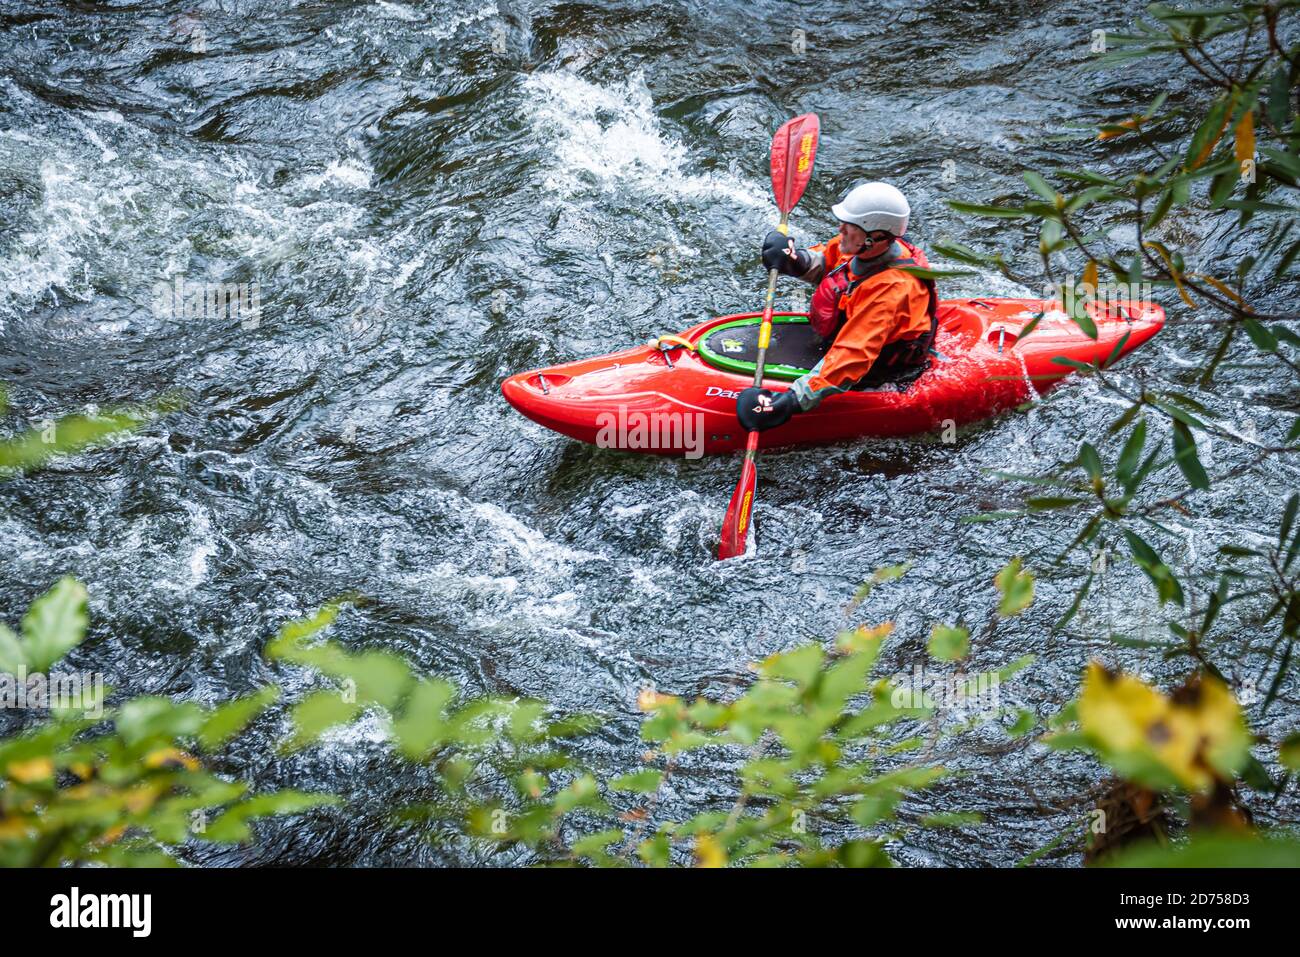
x: 880, y: 321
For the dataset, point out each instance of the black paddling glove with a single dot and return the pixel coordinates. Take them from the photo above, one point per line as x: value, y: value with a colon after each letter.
x: 779, y: 254
x: 759, y: 409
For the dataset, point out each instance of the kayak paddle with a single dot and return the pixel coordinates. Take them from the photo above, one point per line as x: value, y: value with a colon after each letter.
x: 793, y: 149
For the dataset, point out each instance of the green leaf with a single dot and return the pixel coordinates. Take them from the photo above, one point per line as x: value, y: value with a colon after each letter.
x: 319, y: 712
x: 1001, y: 212
x: 1017, y: 589
x: 146, y: 718
x: 1091, y: 462
x: 1131, y: 454
x: 1289, y: 752
x: 54, y: 624
x: 1287, y: 259
x: 962, y: 253
x: 656, y: 851
x: 800, y: 666
x: 1050, y: 237
x: 1039, y: 186
x: 952, y: 819
x: 888, y: 573
x: 1238, y: 551
x: 645, y: 781
x: 1288, y: 518
x: 1115, y: 352
x: 1074, y: 605
x: 1212, y: 850
x: 1185, y: 456
x: 381, y: 677
x: 862, y: 854
x: 228, y: 720
x: 1125, y: 418
x: 594, y: 845
x: 1024, y: 723
x: 1162, y: 207
x: 232, y: 826
x: 11, y: 652
x: 1161, y: 576
x: 69, y: 435
x: 1207, y: 134
x: 948, y: 643
x: 1073, y: 363
x: 1259, y: 334
x: 1047, y: 503
x: 422, y: 725
x: 572, y: 726
x: 1279, y: 97
x: 1212, y: 608
x: 990, y: 517
x: 923, y: 272
x: 286, y: 644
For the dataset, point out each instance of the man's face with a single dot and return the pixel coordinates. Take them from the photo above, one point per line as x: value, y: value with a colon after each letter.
x: 855, y: 242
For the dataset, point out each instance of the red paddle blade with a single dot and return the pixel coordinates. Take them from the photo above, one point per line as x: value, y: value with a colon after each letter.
x: 793, y: 149
x: 735, y: 527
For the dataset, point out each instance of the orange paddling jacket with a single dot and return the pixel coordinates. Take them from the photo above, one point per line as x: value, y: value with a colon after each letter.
x: 883, y: 320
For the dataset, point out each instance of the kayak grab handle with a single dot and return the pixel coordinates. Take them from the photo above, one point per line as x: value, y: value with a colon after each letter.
x: 673, y: 342
x: 1001, y: 334
x: 666, y: 342
x: 547, y: 380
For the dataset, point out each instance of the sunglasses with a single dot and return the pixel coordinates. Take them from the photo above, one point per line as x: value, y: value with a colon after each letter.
x: 878, y: 236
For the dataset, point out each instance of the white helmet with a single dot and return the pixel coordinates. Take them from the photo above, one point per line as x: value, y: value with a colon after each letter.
x: 873, y: 206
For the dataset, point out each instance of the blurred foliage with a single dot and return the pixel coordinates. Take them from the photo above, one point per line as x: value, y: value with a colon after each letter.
x: 1187, y: 741
x: 813, y: 729
x: 36, y: 446
x: 1214, y: 850
x: 117, y: 785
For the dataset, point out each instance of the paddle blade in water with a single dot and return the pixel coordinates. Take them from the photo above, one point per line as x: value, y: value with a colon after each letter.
x: 735, y: 527
x: 793, y: 149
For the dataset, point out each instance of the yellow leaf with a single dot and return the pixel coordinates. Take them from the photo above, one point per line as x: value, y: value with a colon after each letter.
x: 1208, y: 148
x: 1220, y: 285
x: 112, y: 834
x: 708, y: 852
x: 1173, y: 273
x: 170, y: 758
x: 1224, y: 738
x: 1117, y: 710
x: 1090, y: 277
x: 651, y: 700
x: 1197, y: 735
x: 14, y: 828
x: 31, y: 770
x: 1244, y: 145
x: 1129, y: 124
x: 141, y: 798
x: 860, y: 639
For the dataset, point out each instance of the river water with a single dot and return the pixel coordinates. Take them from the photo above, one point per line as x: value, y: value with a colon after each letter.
x: 429, y: 197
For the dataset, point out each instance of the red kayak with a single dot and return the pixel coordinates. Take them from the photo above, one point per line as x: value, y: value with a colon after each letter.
x: 677, y: 395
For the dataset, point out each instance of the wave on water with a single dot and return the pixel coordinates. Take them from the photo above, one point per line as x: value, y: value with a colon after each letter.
x: 611, y: 136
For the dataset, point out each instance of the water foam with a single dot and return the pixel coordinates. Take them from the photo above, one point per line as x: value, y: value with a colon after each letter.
x: 612, y: 134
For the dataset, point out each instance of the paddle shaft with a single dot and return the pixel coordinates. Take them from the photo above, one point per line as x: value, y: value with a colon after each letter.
x: 765, y: 328
x: 793, y: 149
